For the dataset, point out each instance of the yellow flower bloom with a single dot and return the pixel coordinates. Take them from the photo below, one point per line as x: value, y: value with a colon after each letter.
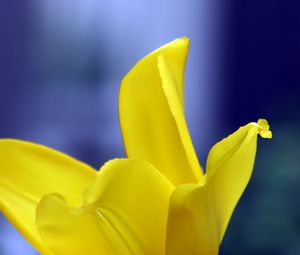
x: 158, y: 201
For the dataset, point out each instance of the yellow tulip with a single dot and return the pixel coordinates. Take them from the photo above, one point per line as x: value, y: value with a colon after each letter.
x: 156, y: 202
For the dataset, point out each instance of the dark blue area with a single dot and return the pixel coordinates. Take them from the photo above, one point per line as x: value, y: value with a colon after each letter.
x: 263, y: 80
x: 264, y: 60
x: 13, y: 64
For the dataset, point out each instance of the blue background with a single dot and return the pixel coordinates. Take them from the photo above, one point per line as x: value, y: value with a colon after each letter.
x: 61, y: 63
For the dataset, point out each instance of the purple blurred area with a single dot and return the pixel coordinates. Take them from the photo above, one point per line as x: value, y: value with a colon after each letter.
x: 61, y: 63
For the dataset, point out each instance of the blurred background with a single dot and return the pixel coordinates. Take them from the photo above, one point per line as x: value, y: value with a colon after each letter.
x: 61, y: 63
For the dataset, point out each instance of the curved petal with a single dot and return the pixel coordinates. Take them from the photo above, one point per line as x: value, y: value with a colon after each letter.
x: 199, y: 213
x: 28, y: 172
x: 191, y: 224
x: 229, y: 167
x: 152, y: 115
x: 123, y: 212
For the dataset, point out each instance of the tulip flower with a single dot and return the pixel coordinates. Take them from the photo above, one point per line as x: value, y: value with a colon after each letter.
x: 157, y: 201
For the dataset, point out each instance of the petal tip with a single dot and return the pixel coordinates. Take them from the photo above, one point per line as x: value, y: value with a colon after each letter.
x: 264, y: 128
x: 185, y: 39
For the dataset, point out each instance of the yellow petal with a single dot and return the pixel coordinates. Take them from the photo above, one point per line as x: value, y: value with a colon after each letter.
x: 264, y: 128
x: 28, y: 172
x: 152, y: 115
x: 229, y: 168
x: 191, y: 224
x: 199, y: 213
x: 123, y: 212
